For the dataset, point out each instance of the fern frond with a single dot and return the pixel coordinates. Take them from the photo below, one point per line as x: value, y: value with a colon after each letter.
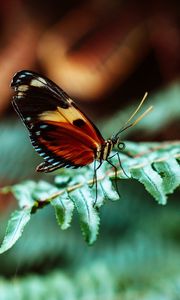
x: 154, y: 165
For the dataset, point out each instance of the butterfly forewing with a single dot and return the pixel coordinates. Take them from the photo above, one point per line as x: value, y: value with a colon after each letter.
x: 59, y: 131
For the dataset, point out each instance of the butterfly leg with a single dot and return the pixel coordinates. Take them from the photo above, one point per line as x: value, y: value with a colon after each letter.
x: 116, y: 177
x: 113, y: 155
x: 120, y: 164
x: 95, y: 174
x: 95, y: 180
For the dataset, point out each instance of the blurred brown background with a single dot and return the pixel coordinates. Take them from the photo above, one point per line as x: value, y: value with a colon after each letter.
x: 103, y: 53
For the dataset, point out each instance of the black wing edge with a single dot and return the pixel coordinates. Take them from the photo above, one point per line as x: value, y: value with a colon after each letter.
x: 24, y: 77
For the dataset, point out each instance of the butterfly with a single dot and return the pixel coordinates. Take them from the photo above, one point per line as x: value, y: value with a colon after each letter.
x: 59, y: 131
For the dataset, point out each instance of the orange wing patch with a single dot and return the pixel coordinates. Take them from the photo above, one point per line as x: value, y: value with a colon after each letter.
x: 63, y: 142
x: 73, y: 116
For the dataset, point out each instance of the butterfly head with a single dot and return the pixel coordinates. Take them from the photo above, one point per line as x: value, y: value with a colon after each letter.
x: 116, y: 141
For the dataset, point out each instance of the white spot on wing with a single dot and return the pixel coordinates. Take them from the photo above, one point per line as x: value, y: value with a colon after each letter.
x: 38, y: 149
x: 22, y: 75
x: 43, y: 126
x: 51, y: 160
x: 19, y: 96
x: 23, y: 88
x: 56, y: 163
x: 42, y: 154
x: 45, y: 157
x: 42, y: 80
x: 38, y: 82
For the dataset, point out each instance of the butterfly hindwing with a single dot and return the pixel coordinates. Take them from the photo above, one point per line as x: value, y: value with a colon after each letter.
x: 59, y: 131
x: 62, y: 146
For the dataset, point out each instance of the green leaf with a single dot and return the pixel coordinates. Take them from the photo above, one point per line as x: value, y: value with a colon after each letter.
x: 89, y: 218
x: 108, y: 189
x: 43, y: 190
x: 64, y: 210
x: 157, y: 168
x: 23, y: 193
x: 15, y: 227
x: 31, y: 194
x: 151, y: 180
x: 170, y: 172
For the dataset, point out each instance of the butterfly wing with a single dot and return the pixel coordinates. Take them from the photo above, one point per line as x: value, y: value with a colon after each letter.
x: 58, y: 130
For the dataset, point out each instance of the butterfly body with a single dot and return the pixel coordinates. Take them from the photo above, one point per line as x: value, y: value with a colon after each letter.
x: 61, y: 134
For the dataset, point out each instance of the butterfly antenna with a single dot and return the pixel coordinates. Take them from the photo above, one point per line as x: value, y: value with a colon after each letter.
x: 138, y: 108
x: 134, y: 113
